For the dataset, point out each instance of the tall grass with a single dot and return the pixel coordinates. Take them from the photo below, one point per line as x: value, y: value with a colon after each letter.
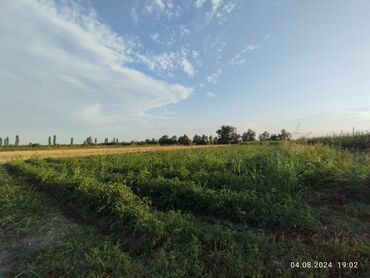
x: 351, y: 142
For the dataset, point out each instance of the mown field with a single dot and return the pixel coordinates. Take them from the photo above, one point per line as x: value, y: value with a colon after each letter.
x: 281, y: 210
x: 6, y: 156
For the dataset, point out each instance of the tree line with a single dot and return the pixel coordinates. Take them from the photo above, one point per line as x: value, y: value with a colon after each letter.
x: 225, y: 135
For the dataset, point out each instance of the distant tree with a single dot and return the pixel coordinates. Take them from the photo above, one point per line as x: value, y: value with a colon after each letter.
x: 184, y: 140
x: 164, y: 140
x: 284, y: 135
x: 205, y: 139
x: 264, y: 136
x: 16, y: 141
x: 89, y: 140
x: 227, y: 135
x: 49, y: 141
x: 174, y: 140
x: 6, y: 141
x: 150, y: 141
x: 236, y: 138
x: 72, y: 141
x: 210, y: 139
x: 106, y: 141
x: 96, y: 141
x: 54, y: 140
x: 116, y: 141
x: 274, y: 137
x: 84, y: 142
x: 215, y: 140
x: 1, y: 142
x: 197, y: 139
x: 200, y: 140
x: 250, y: 135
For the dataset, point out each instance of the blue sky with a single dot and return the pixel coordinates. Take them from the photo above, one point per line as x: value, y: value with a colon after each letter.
x: 139, y: 69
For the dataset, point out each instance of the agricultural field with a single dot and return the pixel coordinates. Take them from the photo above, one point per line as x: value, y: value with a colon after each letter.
x: 282, y: 210
x: 8, y: 155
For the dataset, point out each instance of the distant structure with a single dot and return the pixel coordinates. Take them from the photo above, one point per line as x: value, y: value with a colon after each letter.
x: 298, y: 134
x: 16, y: 141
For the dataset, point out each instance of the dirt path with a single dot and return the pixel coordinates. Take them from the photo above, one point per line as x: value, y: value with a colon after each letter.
x: 20, y: 247
x: 9, y: 155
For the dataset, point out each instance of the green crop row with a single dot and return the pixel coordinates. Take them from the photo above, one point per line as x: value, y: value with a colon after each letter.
x: 245, y: 184
x: 264, y: 205
x: 234, y: 169
x: 203, y: 248
x: 115, y: 203
x: 247, y: 207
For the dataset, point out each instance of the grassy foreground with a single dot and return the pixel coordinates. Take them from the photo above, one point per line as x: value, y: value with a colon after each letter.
x: 238, y: 211
x: 36, y: 240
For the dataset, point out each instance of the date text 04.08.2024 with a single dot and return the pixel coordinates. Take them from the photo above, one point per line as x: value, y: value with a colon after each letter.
x: 317, y: 264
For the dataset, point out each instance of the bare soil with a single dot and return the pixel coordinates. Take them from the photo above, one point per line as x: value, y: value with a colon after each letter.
x: 18, y: 245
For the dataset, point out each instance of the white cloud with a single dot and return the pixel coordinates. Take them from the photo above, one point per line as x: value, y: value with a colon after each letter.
x: 250, y: 47
x: 214, y: 45
x: 155, y: 37
x: 160, y: 4
x: 168, y: 61
x: 184, y: 31
x: 195, y: 54
x: 170, y: 39
x: 357, y: 112
x: 187, y: 67
x: 213, y: 77
x: 92, y: 110
x: 60, y: 61
x: 134, y: 15
x: 239, y: 58
x: 215, y: 4
x: 218, y: 8
x: 162, y: 7
x: 210, y: 94
x: 267, y: 37
x: 148, y: 8
x: 200, y: 3
x: 229, y: 7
